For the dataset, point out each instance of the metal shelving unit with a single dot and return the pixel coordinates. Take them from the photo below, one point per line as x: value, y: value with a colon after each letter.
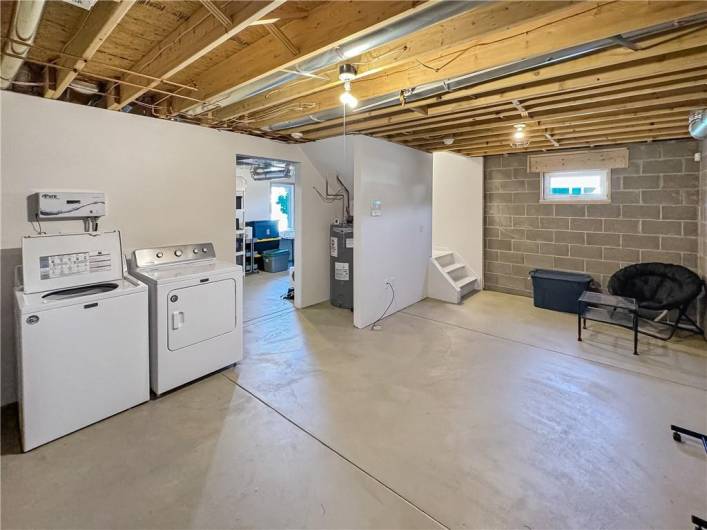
x: 240, y: 229
x: 245, y: 253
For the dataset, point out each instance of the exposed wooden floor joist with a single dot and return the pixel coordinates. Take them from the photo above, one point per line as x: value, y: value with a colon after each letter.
x: 183, y: 60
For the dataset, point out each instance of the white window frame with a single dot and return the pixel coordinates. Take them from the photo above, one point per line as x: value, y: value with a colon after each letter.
x: 605, y: 198
x: 291, y: 185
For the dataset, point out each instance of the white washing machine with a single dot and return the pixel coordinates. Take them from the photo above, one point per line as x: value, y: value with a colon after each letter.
x: 82, y: 334
x: 196, y: 324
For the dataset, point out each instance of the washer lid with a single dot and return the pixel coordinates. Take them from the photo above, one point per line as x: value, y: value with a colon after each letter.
x: 187, y: 271
x: 35, y: 302
x: 63, y: 261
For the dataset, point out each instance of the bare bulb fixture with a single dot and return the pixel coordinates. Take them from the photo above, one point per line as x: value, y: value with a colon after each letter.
x: 448, y: 140
x: 347, y: 72
x: 297, y: 135
x: 347, y: 98
x: 520, y: 137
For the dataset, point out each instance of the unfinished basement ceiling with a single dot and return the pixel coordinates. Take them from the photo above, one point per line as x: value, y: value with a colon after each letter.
x: 577, y: 74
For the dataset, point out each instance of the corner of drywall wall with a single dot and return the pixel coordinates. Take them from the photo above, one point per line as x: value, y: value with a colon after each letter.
x: 313, y: 218
x: 458, y: 207
x: 396, y: 245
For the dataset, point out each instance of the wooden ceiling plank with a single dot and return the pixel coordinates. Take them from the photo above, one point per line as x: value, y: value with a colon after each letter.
x: 493, y: 21
x: 524, y: 84
x: 439, y: 121
x: 547, y: 146
x: 284, y: 40
x: 217, y: 13
x: 329, y: 25
x: 568, y: 137
x: 97, y: 26
x: 193, y: 39
x: 601, y: 22
x: 690, y: 101
x: 574, y: 127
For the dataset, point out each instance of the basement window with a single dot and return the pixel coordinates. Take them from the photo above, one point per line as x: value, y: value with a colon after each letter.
x: 590, y: 185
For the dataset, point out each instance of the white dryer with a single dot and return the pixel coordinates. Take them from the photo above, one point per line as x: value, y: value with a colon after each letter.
x: 196, y: 324
x: 82, y: 334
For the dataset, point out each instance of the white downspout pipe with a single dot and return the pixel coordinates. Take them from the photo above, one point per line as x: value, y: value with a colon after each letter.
x: 25, y: 21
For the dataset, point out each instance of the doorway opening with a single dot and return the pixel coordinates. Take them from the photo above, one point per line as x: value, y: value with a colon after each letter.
x: 265, y: 233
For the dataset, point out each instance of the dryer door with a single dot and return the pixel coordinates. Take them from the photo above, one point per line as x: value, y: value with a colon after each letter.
x: 200, y: 312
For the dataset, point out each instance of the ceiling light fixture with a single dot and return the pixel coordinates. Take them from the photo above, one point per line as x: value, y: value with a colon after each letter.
x: 448, y: 140
x: 297, y: 135
x: 520, y: 137
x: 347, y: 72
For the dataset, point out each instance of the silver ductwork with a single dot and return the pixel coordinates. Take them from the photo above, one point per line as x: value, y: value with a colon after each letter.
x: 421, y: 19
x: 23, y: 28
x: 456, y: 83
x: 698, y: 124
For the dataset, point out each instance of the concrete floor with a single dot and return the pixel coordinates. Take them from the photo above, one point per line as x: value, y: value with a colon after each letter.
x: 481, y: 415
x: 262, y: 295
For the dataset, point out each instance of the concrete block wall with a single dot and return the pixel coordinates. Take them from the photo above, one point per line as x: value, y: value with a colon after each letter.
x: 653, y: 216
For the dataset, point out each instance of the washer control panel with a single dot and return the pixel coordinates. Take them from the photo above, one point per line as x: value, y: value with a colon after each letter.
x: 149, y: 257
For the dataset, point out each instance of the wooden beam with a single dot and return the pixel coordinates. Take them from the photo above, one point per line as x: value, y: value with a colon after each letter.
x: 284, y: 40
x: 617, y: 91
x: 505, y: 129
x: 568, y: 135
x: 596, y: 69
x: 661, y: 105
x: 597, y: 23
x: 492, y: 21
x: 217, y: 13
x: 97, y: 26
x: 520, y: 108
x: 641, y: 136
x: 193, y: 39
x: 332, y: 24
x: 569, y: 125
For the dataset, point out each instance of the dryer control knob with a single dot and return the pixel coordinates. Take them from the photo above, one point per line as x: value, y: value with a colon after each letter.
x: 178, y: 253
x: 159, y: 254
x: 204, y: 249
x: 196, y: 251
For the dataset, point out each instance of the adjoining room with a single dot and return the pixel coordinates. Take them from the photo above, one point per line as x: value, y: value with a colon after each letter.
x: 350, y: 264
x: 265, y: 233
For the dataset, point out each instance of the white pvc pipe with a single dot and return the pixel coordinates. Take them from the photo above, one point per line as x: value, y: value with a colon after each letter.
x: 25, y: 21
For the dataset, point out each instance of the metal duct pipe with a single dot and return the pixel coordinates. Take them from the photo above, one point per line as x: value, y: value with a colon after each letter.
x: 698, y: 124
x: 427, y: 16
x: 449, y: 85
x: 23, y: 27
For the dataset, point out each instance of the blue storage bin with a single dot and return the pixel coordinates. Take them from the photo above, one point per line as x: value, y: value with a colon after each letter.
x: 559, y: 291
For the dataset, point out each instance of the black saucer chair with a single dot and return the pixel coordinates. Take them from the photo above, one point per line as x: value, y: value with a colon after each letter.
x: 660, y: 287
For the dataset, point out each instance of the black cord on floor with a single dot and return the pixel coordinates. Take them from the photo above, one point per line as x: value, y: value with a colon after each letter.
x: 392, y: 299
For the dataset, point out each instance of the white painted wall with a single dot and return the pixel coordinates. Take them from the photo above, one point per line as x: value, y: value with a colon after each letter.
x: 398, y: 244
x: 458, y: 207
x: 166, y: 183
x: 332, y: 157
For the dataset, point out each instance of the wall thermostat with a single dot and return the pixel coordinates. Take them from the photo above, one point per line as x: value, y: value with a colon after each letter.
x: 45, y: 205
x: 376, y: 206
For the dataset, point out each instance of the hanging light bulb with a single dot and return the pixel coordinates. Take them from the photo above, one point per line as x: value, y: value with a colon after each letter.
x: 347, y: 98
x: 520, y: 137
